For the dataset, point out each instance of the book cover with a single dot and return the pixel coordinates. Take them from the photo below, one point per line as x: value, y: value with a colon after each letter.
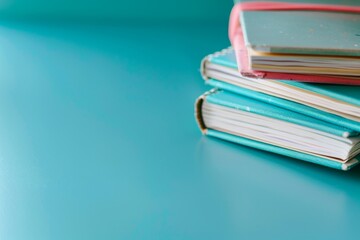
x: 274, y: 131
x: 302, y: 32
x: 271, y: 44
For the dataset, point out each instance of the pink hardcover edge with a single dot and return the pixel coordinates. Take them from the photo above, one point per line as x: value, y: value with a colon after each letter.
x: 237, y: 40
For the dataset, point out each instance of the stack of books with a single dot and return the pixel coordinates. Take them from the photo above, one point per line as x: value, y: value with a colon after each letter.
x: 290, y: 83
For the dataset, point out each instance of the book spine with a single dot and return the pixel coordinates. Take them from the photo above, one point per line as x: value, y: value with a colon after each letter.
x: 198, y: 110
x: 208, y: 59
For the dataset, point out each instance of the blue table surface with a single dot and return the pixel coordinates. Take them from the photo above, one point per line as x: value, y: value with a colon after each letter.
x: 98, y: 141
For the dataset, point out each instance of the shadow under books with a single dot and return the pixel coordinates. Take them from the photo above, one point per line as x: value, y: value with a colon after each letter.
x: 254, y: 160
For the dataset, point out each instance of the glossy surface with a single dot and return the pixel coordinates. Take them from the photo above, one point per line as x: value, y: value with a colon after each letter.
x: 98, y: 141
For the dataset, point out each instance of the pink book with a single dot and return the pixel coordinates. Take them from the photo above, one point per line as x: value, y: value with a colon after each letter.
x: 275, y: 46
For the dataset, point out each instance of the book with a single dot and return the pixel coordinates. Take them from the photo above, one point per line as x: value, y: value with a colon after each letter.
x: 253, y: 123
x: 336, y: 104
x: 297, y: 41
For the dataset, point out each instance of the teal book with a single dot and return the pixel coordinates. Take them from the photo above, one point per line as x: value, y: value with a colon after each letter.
x: 336, y: 104
x: 253, y: 123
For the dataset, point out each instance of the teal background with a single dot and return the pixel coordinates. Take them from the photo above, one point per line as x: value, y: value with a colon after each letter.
x: 119, y: 10
x: 98, y: 138
x: 98, y: 141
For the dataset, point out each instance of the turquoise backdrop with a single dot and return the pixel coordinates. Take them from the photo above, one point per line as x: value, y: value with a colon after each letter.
x: 141, y: 10
x: 98, y: 138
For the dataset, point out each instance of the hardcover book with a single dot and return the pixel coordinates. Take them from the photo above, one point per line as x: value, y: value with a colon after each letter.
x: 306, y: 42
x: 253, y: 123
